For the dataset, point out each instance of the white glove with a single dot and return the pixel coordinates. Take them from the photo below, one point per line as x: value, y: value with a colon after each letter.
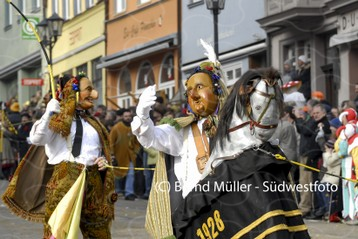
x: 28, y: 140
x: 146, y: 100
x: 53, y: 106
x: 320, y: 135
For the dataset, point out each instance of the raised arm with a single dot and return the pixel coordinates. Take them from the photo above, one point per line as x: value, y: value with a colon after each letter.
x: 40, y: 134
x: 164, y: 138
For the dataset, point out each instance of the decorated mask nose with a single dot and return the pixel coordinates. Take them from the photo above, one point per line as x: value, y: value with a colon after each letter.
x: 94, y: 94
x: 194, y: 94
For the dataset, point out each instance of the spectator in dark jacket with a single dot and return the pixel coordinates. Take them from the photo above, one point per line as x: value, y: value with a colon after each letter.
x: 302, y: 121
x: 310, y: 150
x: 23, y: 133
x: 13, y: 114
x: 304, y: 75
x: 20, y: 138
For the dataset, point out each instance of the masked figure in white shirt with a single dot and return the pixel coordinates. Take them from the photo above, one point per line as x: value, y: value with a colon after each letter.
x: 204, y: 92
x: 73, y: 139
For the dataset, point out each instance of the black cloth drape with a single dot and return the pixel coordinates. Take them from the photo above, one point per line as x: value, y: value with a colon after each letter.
x: 242, y: 199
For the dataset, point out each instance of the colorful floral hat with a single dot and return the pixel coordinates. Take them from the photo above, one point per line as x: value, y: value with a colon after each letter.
x: 213, y: 69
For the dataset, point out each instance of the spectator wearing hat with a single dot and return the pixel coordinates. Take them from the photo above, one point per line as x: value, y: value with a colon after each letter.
x: 14, y: 114
x: 318, y: 95
x: 304, y: 75
x: 291, y: 94
x: 334, y: 125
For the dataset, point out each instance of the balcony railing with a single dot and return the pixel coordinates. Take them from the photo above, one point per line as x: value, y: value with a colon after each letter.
x: 278, y: 6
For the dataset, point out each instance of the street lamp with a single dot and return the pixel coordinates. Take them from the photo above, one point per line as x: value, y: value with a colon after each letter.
x: 215, y: 6
x: 49, y: 30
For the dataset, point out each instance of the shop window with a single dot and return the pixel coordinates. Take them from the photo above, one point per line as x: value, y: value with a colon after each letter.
x: 238, y: 73
x: 125, y: 102
x: 124, y: 81
x: 194, y: 3
x: 97, y: 79
x: 167, y: 72
x: 54, y: 6
x: 167, y: 82
x: 89, y: 3
x: 21, y: 5
x: 65, y: 9
x: 145, y: 76
x: 8, y: 16
x: 289, y: 52
x: 124, y: 87
x: 142, y: 1
x: 293, y: 50
x: 304, y: 48
x: 233, y: 73
x: 76, y: 7
x: 36, y: 5
x: 82, y: 68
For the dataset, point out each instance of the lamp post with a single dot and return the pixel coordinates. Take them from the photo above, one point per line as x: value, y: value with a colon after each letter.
x: 49, y: 30
x: 215, y: 6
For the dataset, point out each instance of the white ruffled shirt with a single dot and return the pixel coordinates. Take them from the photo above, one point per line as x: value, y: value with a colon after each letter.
x: 58, y: 149
x: 167, y: 139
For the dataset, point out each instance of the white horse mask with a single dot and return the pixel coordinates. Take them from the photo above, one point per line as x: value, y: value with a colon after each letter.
x: 249, y: 117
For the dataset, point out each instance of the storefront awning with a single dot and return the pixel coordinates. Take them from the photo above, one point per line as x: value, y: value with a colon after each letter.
x: 19, y: 64
x: 133, y: 55
x: 339, y: 39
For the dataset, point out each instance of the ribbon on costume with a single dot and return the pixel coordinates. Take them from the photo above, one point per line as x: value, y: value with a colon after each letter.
x: 135, y: 168
x: 280, y: 157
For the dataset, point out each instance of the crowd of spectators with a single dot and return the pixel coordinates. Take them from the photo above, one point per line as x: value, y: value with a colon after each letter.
x: 316, y: 129
x: 17, y: 123
x: 307, y: 134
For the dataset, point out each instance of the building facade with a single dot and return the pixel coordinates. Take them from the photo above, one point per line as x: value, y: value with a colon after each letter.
x: 241, y: 41
x: 82, y: 43
x: 142, y: 49
x: 124, y: 46
x: 325, y: 31
x: 20, y: 57
x: 80, y: 47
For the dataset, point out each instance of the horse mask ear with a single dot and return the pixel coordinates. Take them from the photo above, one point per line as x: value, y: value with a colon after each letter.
x: 245, y: 90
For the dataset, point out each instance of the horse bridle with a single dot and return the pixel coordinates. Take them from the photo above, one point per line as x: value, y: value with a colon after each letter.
x: 252, y: 122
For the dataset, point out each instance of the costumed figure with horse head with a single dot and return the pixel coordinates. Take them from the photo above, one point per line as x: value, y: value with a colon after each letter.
x: 185, y: 141
x: 238, y: 196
